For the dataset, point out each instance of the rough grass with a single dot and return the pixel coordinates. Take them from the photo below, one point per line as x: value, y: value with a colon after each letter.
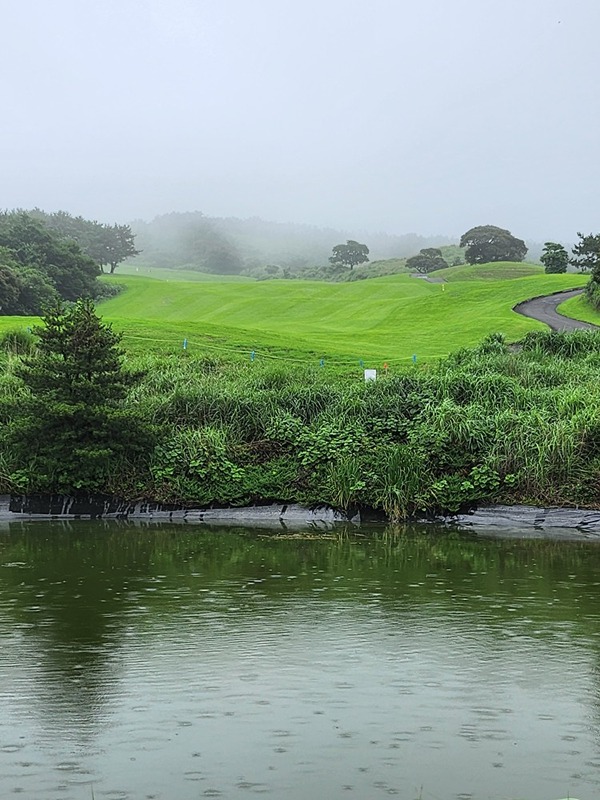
x: 485, y: 424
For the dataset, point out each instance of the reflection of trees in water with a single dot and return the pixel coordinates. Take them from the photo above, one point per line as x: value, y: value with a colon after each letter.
x: 70, y: 600
x: 85, y: 584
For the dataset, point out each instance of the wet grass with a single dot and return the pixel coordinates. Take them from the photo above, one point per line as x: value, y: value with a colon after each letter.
x: 579, y: 308
x: 499, y: 271
x: 380, y: 320
x: 386, y: 319
x: 481, y: 424
x: 484, y: 424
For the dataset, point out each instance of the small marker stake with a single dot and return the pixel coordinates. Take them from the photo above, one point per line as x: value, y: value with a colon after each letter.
x: 253, y: 355
x: 361, y: 363
x: 185, y: 344
x: 322, y: 362
x: 414, y: 358
x: 386, y: 366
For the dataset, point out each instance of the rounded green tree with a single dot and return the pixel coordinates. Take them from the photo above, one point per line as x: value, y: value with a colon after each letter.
x: 350, y: 254
x: 487, y: 243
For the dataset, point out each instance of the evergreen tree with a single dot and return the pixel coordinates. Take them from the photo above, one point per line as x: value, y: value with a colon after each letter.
x: 587, y: 254
x: 554, y: 258
x: 73, y: 430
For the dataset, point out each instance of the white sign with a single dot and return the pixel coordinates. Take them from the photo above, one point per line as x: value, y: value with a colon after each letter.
x: 370, y: 375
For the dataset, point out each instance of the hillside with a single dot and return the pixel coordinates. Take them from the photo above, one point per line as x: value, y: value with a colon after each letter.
x: 383, y: 319
x: 498, y: 271
x: 387, y: 319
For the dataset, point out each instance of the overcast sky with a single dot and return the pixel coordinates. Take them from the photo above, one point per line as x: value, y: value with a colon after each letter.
x: 428, y: 116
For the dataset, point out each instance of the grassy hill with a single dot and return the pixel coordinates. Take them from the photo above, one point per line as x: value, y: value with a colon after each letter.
x: 499, y: 271
x: 385, y: 319
x: 489, y: 426
x: 144, y: 270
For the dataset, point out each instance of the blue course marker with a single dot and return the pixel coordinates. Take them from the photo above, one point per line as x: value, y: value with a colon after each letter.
x: 361, y: 363
x: 414, y: 359
x: 322, y: 362
x: 253, y: 355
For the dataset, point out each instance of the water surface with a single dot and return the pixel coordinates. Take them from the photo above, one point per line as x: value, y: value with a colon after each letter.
x: 182, y: 662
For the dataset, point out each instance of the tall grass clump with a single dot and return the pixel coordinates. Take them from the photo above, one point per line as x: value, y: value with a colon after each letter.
x: 486, y: 424
x: 17, y: 342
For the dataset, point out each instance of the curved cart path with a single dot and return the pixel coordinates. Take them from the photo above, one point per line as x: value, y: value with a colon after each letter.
x: 544, y: 310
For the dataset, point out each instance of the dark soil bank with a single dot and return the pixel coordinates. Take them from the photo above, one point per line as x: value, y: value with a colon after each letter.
x: 496, y: 520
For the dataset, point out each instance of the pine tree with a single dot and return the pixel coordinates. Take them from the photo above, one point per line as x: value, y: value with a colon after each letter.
x: 73, y: 429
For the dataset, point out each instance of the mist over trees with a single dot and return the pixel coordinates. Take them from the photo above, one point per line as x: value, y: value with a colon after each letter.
x: 187, y: 240
x: 229, y: 245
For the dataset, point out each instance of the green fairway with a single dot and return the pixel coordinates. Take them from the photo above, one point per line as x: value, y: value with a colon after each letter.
x: 143, y: 271
x: 385, y: 319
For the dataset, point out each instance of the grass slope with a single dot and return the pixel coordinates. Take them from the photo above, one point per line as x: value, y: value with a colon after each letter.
x: 578, y: 308
x: 385, y: 319
x: 143, y: 270
x: 499, y: 271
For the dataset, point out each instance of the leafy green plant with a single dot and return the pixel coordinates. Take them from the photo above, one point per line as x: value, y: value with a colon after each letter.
x: 194, y: 465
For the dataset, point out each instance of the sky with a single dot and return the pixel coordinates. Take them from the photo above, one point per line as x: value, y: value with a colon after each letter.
x: 381, y: 115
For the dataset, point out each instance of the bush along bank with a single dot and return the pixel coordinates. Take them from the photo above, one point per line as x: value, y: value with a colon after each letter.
x: 484, y: 425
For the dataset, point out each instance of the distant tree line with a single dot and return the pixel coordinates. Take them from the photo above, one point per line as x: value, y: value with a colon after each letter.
x: 107, y: 245
x: 46, y: 258
x: 256, y: 247
x: 187, y: 241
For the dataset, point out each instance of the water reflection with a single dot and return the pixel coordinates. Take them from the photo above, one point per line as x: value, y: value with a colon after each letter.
x: 180, y: 662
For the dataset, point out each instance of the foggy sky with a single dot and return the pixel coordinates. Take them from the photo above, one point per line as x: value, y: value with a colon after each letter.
x: 429, y: 116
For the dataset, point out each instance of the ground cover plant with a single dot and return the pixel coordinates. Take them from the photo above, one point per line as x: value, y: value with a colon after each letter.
x: 231, y: 425
x: 484, y: 424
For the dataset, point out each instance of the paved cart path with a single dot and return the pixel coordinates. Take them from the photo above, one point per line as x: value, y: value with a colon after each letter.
x: 544, y: 309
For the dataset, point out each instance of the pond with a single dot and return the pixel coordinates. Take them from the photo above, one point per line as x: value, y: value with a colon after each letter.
x: 180, y: 662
